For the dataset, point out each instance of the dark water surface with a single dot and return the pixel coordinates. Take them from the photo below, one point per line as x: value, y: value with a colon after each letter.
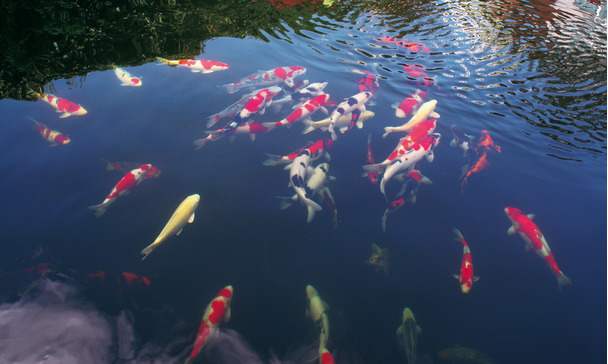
x: 531, y: 73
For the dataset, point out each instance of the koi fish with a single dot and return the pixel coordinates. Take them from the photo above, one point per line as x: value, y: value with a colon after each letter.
x: 304, y: 94
x: 485, y: 145
x: 297, y: 175
x: 251, y: 129
x: 257, y: 104
x: 182, y: 215
x: 326, y: 357
x: 424, y: 112
x: 417, y: 72
x: 410, y: 104
x: 411, y: 183
x: 328, y: 199
x: 409, y: 330
x: 52, y: 136
x: 368, y: 81
x: 231, y: 110
x: 303, y: 112
x: 267, y: 78
x: 127, y: 166
x: 315, y: 181
x: 407, y: 161
x: 343, y: 122
x: 354, y: 105
x: 61, y: 105
x: 317, y: 312
x: 466, y: 277
x: 316, y: 150
x: 462, y: 140
x: 535, y: 240
x: 414, y: 47
x: 196, y: 65
x: 379, y: 258
x: 372, y: 175
x: 126, y: 78
x: 217, y: 311
x: 123, y: 187
x: 420, y: 131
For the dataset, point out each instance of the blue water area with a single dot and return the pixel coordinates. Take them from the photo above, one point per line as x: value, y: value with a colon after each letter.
x: 536, y: 82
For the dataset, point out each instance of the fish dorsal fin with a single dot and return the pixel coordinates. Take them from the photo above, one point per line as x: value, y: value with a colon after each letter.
x: 191, y: 218
x: 511, y: 230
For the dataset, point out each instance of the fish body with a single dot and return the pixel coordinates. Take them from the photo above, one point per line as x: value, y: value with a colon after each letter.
x: 329, y: 201
x: 463, y: 141
x: 297, y: 176
x: 379, y: 258
x: 196, y: 65
x: 342, y: 123
x: 407, y: 161
x: 231, y: 110
x: 418, y: 73
x: 61, y: 105
x: 303, y: 112
x: 425, y: 111
x: 411, y: 182
x: 466, y: 277
x: 317, y: 311
x: 52, y: 136
x: 485, y: 142
x: 535, y: 240
x: 268, y: 78
x: 126, y: 78
x: 354, y: 105
x: 410, y: 104
x: 125, y: 167
x: 126, y: 183
x: 372, y: 175
x: 316, y: 150
x: 485, y: 145
x: 414, y: 47
x: 216, y: 312
x: 182, y: 215
x: 420, y: 131
x: 368, y: 81
x: 302, y: 95
x: 408, y: 332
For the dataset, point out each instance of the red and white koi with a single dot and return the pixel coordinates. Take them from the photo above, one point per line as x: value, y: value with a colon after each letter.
x: 268, y: 78
x: 52, y: 136
x: 410, y: 104
x: 231, y: 110
x: 407, y: 161
x: 216, y: 312
x: 123, y: 187
x: 354, y: 105
x: 418, y: 132
x: 466, y: 277
x: 303, y: 112
x: 125, y: 167
x: 316, y: 150
x: 424, y: 112
x: 126, y: 78
x: 196, y: 65
x: 535, y: 240
x: 61, y: 105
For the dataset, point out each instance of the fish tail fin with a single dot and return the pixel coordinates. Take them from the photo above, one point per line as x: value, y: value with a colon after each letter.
x: 311, y: 207
x: 108, y: 164
x: 200, y: 143
x: 459, y: 238
x: 378, y: 168
x: 308, y: 128
x: 387, y: 131
x: 270, y: 125
x: 212, y: 120
x: 99, y: 209
x: 382, y: 187
x: 145, y: 252
x: 562, y: 280
x: 384, y: 221
x: 286, y: 201
x: 272, y: 160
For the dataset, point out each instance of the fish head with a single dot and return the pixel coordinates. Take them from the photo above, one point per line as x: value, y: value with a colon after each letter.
x: 311, y: 292
x: 296, y: 71
x: 227, y: 291
x: 194, y: 199
x: 274, y: 90
x: 408, y: 314
x: 81, y: 111
x: 322, y: 168
x: 512, y: 212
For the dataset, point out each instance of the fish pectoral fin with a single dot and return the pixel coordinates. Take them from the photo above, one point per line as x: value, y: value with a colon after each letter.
x: 418, y: 329
x: 399, y: 330
x: 191, y: 218
x: 64, y: 115
x: 434, y: 115
x: 511, y: 230
x: 359, y: 124
x: 430, y: 157
x: 530, y: 216
x: 457, y: 276
x: 227, y: 315
x: 179, y: 232
x: 343, y: 129
x: 475, y: 278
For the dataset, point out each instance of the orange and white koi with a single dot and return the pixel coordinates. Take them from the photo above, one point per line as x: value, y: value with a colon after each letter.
x: 466, y: 277
x: 410, y: 104
x: 216, y: 312
x: 52, y: 136
x: 535, y: 240
x: 126, y: 78
x: 354, y: 105
x: 196, y: 65
x: 128, y: 181
x: 303, y: 112
x: 424, y: 112
x: 127, y: 166
x: 418, y: 132
x: 61, y: 105
x: 268, y: 78
x: 316, y: 150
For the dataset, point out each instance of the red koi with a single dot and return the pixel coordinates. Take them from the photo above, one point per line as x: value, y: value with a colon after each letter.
x: 466, y: 277
x: 535, y: 240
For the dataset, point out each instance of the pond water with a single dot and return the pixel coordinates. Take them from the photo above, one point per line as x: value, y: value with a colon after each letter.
x: 530, y: 73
